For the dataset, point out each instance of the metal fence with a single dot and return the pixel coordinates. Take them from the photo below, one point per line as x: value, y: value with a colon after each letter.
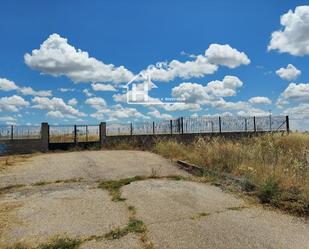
x: 74, y: 133
x: 205, y: 124
x: 12, y: 132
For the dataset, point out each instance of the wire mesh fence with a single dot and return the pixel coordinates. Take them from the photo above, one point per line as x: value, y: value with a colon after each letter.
x: 204, y: 124
x: 12, y: 132
x: 74, y: 133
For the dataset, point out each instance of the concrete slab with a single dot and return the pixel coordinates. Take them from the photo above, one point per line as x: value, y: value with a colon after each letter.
x: 168, y: 200
x: 252, y: 228
x: 89, y: 165
x: 78, y: 211
x: 171, y: 211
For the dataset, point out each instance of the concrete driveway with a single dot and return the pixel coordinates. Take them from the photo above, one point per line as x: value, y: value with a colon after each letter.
x: 57, y: 195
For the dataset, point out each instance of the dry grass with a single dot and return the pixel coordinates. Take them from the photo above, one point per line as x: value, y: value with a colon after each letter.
x: 7, y: 161
x: 277, y: 164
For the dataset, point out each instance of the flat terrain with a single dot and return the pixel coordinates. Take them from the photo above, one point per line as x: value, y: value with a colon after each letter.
x: 57, y: 195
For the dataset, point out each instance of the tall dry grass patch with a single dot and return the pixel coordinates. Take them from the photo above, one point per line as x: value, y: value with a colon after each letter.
x: 278, y: 163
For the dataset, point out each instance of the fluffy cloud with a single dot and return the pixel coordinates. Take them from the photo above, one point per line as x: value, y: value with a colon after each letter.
x: 202, y: 65
x: 96, y: 103
x: 260, y: 100
x: 294, y: 37
x: 7, y: 85
x: 120, y: 112
x: 64, y: 90
x: 30, y: 91
x: 7, y: 120
x: 156, y: 114
x: 113, y: 113
x: 225, y: 88
x: 294, y: 92
x: 226, y: 55
x: 13, y: 103
x: 288, y: 73
x: 56, y: 107
x: 185, y: 70
x: 102, y: 87
x: 73, y: 101
x: 87, y: 93
x: 213, y: 91
x: 56, y: 57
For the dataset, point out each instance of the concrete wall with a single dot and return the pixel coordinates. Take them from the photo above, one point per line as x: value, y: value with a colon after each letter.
x: 24, y: 146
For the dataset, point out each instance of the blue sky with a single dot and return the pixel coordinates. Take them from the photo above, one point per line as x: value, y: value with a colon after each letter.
x: 221, y: 57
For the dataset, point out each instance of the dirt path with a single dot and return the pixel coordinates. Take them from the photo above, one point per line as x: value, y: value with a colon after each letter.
x: 57, y: 195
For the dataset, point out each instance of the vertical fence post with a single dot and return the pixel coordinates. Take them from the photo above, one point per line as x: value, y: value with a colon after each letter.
x: 131, y: 129
x: 86, y: 133
x: 254, y: 124
x: 12, y: 132
x: 171, y: 126
x: 287, y: 124
x: 45, y: 136
x: 246, y: 128
x: 220, y: 127
x: 102, y: 133
x: 212, y: 126
x: 75, y: 134
x: 270, y: 122
x: 181, y: 123
x: 153, y: 127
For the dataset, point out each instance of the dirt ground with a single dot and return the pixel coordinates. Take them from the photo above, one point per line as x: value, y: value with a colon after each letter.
x: 57, y: 195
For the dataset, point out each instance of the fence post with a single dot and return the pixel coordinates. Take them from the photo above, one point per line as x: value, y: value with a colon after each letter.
x: 220, y: 128
x: 102, y: 133
x: 212, y: 126
x: 45, y: 136
x: 181, y: 123
x: 86, y: 133
x: 246, y: 128
x: 287, y: 124
x: 75, y: 134
x: 12, y: 132
x: 270, y: 122
x: 254, y: 124
x: 131, y: 129
x: 153, y: 127
x: 171, y: 126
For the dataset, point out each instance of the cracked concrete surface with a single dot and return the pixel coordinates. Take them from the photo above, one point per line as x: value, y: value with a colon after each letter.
x: 178, y: 214
x: 172, y: 212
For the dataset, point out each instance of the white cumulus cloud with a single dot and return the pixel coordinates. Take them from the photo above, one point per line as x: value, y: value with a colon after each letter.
x: 260, y: 100
x: 294, y: 37
x: 96, y: 103
x: 55, y: 106
x: 57, y: 57
x: 7, y: 85
x: 30, y: 91
x: 13, y: 103
x: 288, y: 73
x: 294, y: 92
x: 73, y: 101
x: 226, y: 55
x: 103, y: 87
